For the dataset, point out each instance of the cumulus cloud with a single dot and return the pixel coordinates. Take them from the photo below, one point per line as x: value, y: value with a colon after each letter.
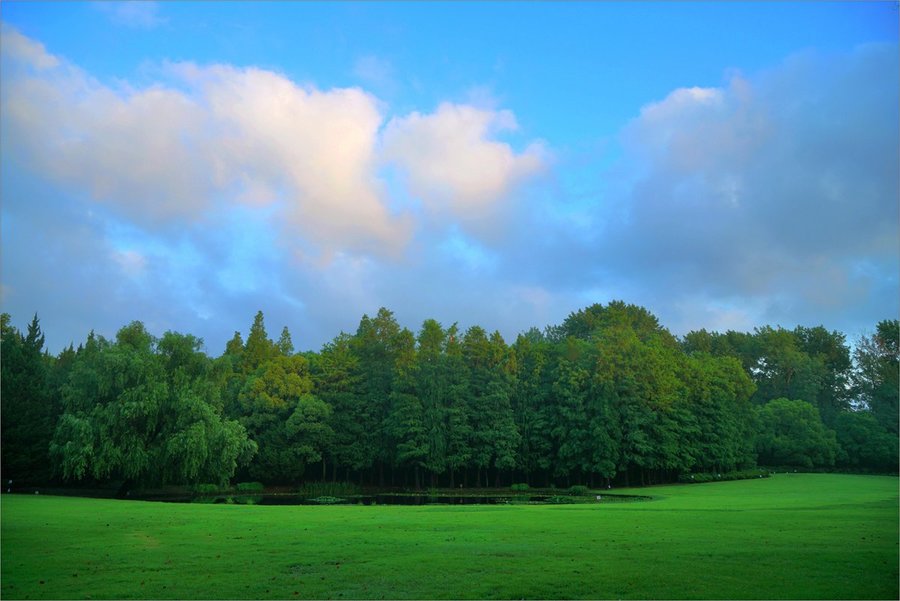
x: 24, y: 49
x: 128, y: 148
x: 317, y: 145
x: 216, y: 135
x: 219, y: 190
x: 452, y: 161
x: 210, y: 136
x: 776, y: 192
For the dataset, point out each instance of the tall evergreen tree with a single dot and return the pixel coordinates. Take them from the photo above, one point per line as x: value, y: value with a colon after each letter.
x: 376, y: 345
x: 458, y: 425
x: 432, y: 389
x: 338, y: 381
x: 259, y: 348
x: 530, y: 406
x: 285, y: 345
x: 28, y: 408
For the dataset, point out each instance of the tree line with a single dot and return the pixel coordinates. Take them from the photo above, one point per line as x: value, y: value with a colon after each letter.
x: 609, y: 395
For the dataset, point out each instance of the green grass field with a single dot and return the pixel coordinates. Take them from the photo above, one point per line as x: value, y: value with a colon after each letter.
x: 791, y: 536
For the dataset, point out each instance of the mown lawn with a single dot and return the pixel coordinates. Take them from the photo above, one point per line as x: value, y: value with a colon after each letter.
x: 806, y: 536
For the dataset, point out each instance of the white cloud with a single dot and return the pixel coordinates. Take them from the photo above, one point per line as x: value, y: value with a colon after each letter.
x: 317, y: 146
x: 375, y: 71
x: 771, y: 199
x: 131, y: 149
x: 212, y: 136
x: 167, y: 154
x: 768, y: 192
x: 141, y: 14
x: 452, y: 162
x: 131, y: 261
x: 24, y: 49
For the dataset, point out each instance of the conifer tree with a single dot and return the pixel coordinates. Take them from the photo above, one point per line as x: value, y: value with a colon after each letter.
x: 285, y: 345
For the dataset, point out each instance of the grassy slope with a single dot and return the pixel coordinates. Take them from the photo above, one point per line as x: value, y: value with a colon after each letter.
x: 792, y: 536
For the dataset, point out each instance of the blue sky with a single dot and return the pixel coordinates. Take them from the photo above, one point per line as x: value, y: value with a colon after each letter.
x: 726, y: 165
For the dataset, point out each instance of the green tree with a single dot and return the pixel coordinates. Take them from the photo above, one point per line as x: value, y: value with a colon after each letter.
x: 784, y: 370
x: 864, y: 442
x: 877, y: 375
x: 337, y: 381
x: 138, y: 410
x: 458, y: 431
x: 376, y: 346
x: 530, y: 406
x: 235, y: 346
x: 404, y: 425
x: 495, y: 437
x: 570, y: 428
x: 309, y: 431
x: 27, y: 403
x: 719, y: 393
x: 830, y: 351
x: 637, y: 370
x: 268, y: 400
x: 259, y: 349
x: 432, y: 389
x: 791, y: 433
x: 285, y: 345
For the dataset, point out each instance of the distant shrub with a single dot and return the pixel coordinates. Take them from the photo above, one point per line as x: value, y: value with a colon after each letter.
x: 213, y: 500
x: 250, y: 487
x: 578, y: 490
x: 328, y: 489
x: 247, y: 499
x: 560, y: 499
x: 207, y: 489
x: 328, y: 500
x: 702, y: 477
x: 521, y: 487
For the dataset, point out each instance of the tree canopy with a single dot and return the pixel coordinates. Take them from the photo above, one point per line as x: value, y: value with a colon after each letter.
x: 608, y: 395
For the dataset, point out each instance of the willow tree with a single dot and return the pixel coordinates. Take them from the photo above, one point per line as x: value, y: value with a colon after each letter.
x: 132, y: 411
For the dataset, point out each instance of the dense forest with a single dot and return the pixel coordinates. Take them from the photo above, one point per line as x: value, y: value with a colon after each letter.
x: 607, y: 396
